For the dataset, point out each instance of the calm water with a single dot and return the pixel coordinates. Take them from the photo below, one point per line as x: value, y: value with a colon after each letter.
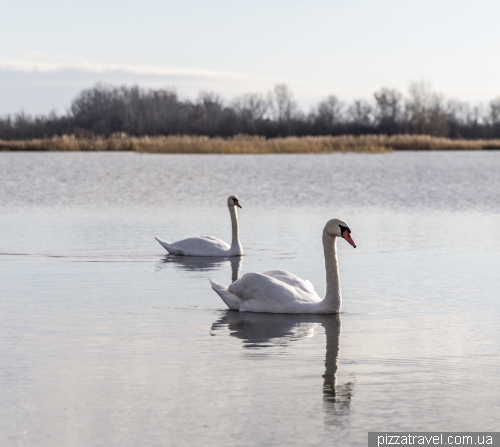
x: 106, y: 341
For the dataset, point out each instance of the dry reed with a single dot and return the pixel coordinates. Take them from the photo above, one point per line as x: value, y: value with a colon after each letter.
x: 244, y: 144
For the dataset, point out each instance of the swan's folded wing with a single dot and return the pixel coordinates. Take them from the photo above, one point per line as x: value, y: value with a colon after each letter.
x: 199, y: 246
x: 263, y: 293
x: 292, y: 280
x: 214, y: 240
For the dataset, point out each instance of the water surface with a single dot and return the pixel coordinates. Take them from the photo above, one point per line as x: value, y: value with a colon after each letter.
x: 107, y: 341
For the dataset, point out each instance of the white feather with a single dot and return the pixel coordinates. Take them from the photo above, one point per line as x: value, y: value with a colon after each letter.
x: 209, y: 245
x: 278, y: 291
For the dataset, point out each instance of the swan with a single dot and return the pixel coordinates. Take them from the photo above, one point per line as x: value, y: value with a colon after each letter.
x: 209, y: 245
x: 278, y: 291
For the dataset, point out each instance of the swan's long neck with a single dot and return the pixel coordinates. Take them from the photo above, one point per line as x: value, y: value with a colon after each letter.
x: 236, y: 248
x: 333, y: 300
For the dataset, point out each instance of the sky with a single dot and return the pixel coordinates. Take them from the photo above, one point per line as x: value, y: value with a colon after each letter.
x: 53, y: 49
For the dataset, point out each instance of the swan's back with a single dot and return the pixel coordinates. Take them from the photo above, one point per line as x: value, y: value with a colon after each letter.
x: 291, y: 280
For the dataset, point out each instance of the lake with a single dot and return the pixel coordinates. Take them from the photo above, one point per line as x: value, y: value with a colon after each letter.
x: 107, y: 341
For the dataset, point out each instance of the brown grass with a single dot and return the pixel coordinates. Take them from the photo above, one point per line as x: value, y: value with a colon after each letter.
x: 243, y: 144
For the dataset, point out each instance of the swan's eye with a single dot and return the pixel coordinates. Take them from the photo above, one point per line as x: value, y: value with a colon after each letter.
x: 342, y: 229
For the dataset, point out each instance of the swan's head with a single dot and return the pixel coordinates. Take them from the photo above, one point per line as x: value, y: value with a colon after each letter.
x: 339, y: 228
x: 233, y: 201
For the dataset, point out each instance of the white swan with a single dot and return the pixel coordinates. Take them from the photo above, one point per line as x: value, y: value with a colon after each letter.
x: 209, y: 245
x: 278, y: 291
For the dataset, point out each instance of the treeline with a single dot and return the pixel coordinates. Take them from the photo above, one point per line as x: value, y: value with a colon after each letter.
x: 107, y: 110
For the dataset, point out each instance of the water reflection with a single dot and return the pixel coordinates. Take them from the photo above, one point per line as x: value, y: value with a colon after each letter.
x: 200, y: 263
x: 265, y: 330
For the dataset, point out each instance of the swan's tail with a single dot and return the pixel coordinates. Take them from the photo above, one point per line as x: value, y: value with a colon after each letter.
x: 165, y: 245
x: 231, y: 300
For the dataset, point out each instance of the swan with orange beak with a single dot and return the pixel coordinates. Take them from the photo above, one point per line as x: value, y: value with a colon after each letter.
x: 209, y: 245
x: 279, y: 291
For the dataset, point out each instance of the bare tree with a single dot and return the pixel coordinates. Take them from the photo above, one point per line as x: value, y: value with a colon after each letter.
x: 494, y: 114
x: 106, y: 109
x: 459, y: 112
x: 100, y: 109
x: 459, y: 115
x: 207, y: 114
x: 251, y: 106
x: 426, y: 110
x: 282, y: 104
x: 361, y: 113
x: 250, y: 110
x: 210, y: 100
x: 388, y: 112
x: 329, y: 113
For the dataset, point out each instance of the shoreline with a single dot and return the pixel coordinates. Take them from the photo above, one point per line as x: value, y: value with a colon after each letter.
x: 245, y: 144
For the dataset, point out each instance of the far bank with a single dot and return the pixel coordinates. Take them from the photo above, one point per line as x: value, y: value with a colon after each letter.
x: 245, y: 144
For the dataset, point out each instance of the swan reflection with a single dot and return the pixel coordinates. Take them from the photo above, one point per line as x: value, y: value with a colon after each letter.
x: 199, y: 263
x: 258, y: 330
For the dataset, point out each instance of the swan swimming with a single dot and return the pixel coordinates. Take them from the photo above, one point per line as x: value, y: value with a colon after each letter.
x: 209, y: 245
x: 278, y: 291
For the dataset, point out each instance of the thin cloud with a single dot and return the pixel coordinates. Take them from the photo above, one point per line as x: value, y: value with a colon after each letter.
x: 40, y: 82
x: 98, y: 68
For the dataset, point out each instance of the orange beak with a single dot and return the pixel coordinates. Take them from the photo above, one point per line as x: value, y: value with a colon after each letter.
x: 347, y: 236
x: 237, y: 204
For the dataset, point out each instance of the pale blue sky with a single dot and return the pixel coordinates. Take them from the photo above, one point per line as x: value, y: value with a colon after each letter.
x: 51, y: 50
